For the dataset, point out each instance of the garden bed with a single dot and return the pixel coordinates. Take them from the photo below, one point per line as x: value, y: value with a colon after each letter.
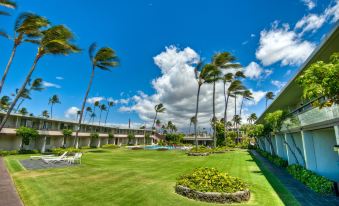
x: 198, y: 153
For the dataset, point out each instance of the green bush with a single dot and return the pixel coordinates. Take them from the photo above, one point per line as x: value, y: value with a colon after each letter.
x: 110, y: 146
x: 85, y: 147
x: 200, y: 149
x: 27, y: 134
x: 67, y: 132
x: 211, y: 180
x: 25, y: 151
x: 60, y: 151
x: 312, y: 180
x: 273, y: 158
x: 5, y: 153
x: 94, y: 135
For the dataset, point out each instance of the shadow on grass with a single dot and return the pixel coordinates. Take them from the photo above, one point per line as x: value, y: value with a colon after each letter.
x: 286, y: 197
x: 98, y: 151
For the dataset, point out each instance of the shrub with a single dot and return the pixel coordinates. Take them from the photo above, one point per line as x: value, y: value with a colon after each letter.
x: 200, y: 149
x: 273, y: 158
x: 211, y: 180
x: 85, y: 147
x: 11, y: 152
x: 67, y: 132
x: 94, y: 135
x: 28, y: 151
x: 110, y: 146
x: 27, y: 134
x: 312, y: 180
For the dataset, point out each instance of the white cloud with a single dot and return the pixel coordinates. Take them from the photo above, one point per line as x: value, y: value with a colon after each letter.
x: 176, y: 88
x: 253, y: 70
x: 311, y: 22
x: 49, y: 84
x: 257, y: 95
x: 252, y: 35
x: 71, y: 112
x: 280, y: 44
x: 332, y: 12
x: 309, y: 3
x: 94, y: 99
x: 244, y: 42
x: 288, y: 72
x: 278, y: 84
x: 59, y: 78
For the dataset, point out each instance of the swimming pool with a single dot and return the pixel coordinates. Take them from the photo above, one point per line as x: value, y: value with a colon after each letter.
x: 158, y: 147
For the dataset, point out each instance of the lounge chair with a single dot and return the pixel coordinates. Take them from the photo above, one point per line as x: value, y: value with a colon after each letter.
x: 45, y: 156
x: 75, y: 159
x: 55, y: 159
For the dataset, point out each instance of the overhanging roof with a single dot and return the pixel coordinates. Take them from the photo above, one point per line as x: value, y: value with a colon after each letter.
x: 292, y: 92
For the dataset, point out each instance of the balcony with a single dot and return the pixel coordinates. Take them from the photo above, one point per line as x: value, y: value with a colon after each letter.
x: 317, y: 115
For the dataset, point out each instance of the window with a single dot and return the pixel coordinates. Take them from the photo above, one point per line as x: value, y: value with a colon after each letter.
x: 48, y: 140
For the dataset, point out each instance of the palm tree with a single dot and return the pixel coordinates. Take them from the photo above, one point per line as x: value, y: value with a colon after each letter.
x: 56, y: 41
x: 77, y: 116
x: 110, y: 104
x: 192, y: 121
x: 53, y: 100
x: 234, y: 87
x: 252, y: 118
x: 4, y: 103
x: 104, y: 59
x: 237, y: 121
x: 7, y: 4
x: 246, y: 95
x: 24, y: 95
x: 227, y: 78
x: 102, y: 108
x: 23, y: 111
x: 35, y: 86
x: 159, y: 108
x: 269, y: 95
x: 88, y: 109
x: 93, y: 115
x: 158, y: 123
x: 96, y: 104
x: 27, y: 29
x: 45, y: 114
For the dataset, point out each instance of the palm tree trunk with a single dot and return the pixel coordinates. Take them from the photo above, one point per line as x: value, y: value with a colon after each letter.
x: 85, y: 115
x: 28, y: 77
x: 242, y: 102
x: 83, y: 107
x: 155, y: 117
x: 100, y: 116
x: 107, y: 114
x: 18, y: 107
x: 52, y: 111
x: 214, y: 118
x: 225, y: 111
x: 93, y: 115
x: 189, y: 131
x: 9, y: 63
x: 225, y: 118
x: 196, y: 118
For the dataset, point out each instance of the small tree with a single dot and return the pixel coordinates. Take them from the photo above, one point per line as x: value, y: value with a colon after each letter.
x: 26, y: 134
x: 147, y: 138
x: 273, y: 122
x: 131, y: 138
x: 66, y: 133
x: 110, y: 136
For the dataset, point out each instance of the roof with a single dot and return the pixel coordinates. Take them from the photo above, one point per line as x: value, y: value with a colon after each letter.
x: 290, y: 95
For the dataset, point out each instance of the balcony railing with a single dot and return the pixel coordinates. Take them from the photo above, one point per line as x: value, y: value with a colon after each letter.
x: 317, y: 115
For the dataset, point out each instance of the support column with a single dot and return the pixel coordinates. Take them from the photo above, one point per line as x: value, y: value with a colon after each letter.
x: 287, y: 149
x: 99, y: 141
x: 43, y: 147
x: 308, y: 150
x: 136, y: 141
x: 336, y: 131
x: 276, y: 145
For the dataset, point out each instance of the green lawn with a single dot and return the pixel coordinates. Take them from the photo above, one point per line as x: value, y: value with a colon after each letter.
x: 125, y: 177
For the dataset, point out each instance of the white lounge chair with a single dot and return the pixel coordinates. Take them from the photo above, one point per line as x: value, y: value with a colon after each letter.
x: 54, y: 159
x: 75, y: 159
x: 45, y: 156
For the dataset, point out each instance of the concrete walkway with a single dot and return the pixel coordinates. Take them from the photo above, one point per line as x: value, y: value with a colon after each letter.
x: 301, y: 193
x: 8, y: 194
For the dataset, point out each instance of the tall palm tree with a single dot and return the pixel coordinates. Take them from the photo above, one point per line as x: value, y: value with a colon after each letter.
x: 23, y: 111
x: 159, y: 108
x: 92, y: 116
x: 104, y: 59
x: 27, y: 29
x: 36, y: 85
x: 4, y: 103
x: 102, y: 108
x: 192, y: 121
x: 55, y: 40
x: 235, y: 86
x: 252, y: 118
x: 269, y: 96
x: 110, y: 104
x: 53, y: 100
x: 77, y: 116
x: 237, y: 121
x: 88, y: 110
x: 246, y: 95
x: 227, y: 78
x: 158, y: 123
x: 45, y: 114
x: 96, y: 104
x: 202, y: 75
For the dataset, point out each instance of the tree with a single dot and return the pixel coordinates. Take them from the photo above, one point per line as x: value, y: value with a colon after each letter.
x: 105, y: 59
x: 55, y: 41
x: 269, y: 96
x: 102, y: 108
x: 88, y: 110
x: 66, y: 133
x: 110, y: 104
x: 36, y: 85
x: 252, y: 118
x: 192, y: 121
x: 159, y: 108
x: 53, y: 100
x: 4, y: 103
x: 23, y: 111
x: 246, y: 95
x: 273, y: 122
x: 237, y: 122
x: 27, y: 29
x: 45, y: 114
x: 96, y: 104
x: 26, y: 134
x: 77, y: 116
x: 321, y: 80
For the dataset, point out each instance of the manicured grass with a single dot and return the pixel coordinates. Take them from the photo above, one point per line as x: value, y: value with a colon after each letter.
x: 125, y: 177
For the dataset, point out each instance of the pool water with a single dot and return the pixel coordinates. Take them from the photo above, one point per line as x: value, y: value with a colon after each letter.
x: 159, y: 147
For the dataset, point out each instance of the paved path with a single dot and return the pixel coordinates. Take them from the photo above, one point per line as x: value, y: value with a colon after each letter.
x: 8, y: 194
x: 304, y: 195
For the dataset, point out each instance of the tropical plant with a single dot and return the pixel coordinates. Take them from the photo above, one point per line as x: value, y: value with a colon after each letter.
x: 88, y: 110
x: 269, y: 96
x: 53, y: 100
x: 36, y: 85
x: 95, y: 105
x: 110, y: 104
x: 246, y: 95
x: 27, y: 29
x: 26, y: 134
x: 102, y: 108
x: 252, y: 118
x: 321, y: 80
x: 105, y: 59
x: 23, y: 111
x: 5, y: 103
x: 55, y: 41
x: 159, y: 108
x: 45, y: 114
x: 66, y: 133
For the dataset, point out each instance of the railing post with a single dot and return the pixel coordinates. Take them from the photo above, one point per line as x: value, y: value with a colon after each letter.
x: 336, y: 131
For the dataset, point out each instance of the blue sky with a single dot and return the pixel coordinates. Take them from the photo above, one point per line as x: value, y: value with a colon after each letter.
x: 141, y: 30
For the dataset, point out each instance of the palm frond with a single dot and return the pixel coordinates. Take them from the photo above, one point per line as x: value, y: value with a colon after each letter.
x: 3, y: 13
x: 4, y: 34
x: 8, y: 4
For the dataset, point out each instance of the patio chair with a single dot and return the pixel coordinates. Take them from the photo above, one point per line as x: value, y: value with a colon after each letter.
x: 54, y: 159
x: 75, y: 159
x: 45, y: 156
